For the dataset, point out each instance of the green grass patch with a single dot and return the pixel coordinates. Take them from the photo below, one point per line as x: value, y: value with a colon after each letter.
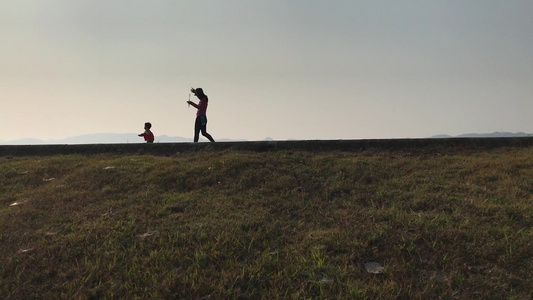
x: 271, y: 225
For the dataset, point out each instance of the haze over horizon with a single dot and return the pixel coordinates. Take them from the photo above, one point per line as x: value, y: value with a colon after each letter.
x: 132, y: 138
x: 281, y: 69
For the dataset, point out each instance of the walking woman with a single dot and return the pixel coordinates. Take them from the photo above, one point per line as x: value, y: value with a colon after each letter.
x: 201, y: 119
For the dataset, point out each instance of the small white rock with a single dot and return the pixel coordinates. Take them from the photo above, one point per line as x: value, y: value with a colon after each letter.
x: 374, y: 268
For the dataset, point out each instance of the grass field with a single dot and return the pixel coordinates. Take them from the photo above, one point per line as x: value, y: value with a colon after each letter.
x: 268, y: 225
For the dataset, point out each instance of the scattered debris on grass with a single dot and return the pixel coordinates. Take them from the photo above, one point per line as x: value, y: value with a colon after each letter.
x: 17, y: 203
x: 326, y: 279
x: 147, y: 234
x: 374, y: 268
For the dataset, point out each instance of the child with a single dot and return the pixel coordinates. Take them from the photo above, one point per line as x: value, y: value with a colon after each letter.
x: 147, y: 134
x: 201, y: 119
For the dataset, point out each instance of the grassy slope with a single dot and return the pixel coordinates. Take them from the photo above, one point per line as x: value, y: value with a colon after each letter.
x: 282, y: 224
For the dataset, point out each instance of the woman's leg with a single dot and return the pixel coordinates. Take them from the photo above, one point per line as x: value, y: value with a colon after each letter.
x: 197, y: 128
x: 207, y: 135
x: 204, y: 129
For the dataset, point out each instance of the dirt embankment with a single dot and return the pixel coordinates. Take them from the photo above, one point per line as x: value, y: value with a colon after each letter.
x: 402, y: 145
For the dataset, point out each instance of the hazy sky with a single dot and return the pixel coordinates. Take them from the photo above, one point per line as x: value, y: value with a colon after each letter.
x: 302, y: 69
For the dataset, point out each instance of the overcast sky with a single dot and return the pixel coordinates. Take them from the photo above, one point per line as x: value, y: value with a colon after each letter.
x: 303, y: 69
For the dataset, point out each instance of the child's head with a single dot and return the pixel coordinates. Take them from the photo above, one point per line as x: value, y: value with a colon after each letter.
x: 147, y: 126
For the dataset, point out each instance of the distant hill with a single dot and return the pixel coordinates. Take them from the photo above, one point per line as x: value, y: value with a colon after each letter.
x: 102, y: 138
x: 488, y: 135
x: 112, y: 138
x: 132, y: 138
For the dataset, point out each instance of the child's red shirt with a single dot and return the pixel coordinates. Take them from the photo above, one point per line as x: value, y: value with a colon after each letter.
x: 148, y: 136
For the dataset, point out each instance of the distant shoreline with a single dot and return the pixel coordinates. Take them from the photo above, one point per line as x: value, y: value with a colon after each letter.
x: 425, y: 144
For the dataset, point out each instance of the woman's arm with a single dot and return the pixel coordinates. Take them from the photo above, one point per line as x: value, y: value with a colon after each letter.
x: 193, y: 104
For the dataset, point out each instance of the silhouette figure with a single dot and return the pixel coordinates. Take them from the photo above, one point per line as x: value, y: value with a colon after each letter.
x: 147, y: 134
x: 200, y: 123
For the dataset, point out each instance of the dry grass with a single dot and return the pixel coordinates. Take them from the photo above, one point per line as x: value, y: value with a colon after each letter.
x: 280, y: 224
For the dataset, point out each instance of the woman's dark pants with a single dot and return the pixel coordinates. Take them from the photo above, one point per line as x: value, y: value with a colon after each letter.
x: 201, y: 125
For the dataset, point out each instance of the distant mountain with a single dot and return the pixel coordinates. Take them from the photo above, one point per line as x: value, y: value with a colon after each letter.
x: 482, y: 135
x: 126, y: 138
x: 103, y: 138
x: 28, y: 141
x: 441, y: 136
